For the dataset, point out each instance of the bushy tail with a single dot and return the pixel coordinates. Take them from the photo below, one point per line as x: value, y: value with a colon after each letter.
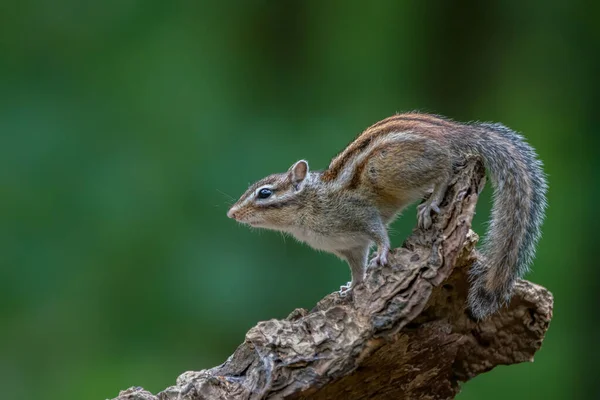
x: 517, y: 215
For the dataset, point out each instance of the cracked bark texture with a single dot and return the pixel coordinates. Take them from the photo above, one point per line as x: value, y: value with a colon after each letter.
x: 403, y: 334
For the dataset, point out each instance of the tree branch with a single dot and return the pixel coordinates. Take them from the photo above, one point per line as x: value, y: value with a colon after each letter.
x: 405, y: 333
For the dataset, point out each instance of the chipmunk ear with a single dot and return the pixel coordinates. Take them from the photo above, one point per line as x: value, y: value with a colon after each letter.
x: 297, y: 173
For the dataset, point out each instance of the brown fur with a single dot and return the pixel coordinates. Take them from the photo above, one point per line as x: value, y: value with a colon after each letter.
x: 429, y: 125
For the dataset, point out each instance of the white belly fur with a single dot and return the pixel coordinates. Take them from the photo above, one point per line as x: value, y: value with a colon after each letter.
x: 330, y: 243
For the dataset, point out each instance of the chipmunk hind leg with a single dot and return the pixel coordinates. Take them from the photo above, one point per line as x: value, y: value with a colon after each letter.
x: 401, y: 172
x: 427, y: 166
x: 432, y: 204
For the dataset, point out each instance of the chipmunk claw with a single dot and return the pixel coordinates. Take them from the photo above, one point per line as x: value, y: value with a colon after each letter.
x: 424, y: 214
x: 345, y: 289
x: 381, y: 257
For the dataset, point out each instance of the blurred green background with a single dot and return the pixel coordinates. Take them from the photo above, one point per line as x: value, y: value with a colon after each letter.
x: 127, y: 127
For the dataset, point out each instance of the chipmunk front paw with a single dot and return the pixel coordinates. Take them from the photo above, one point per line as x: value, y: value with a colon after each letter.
x: 345, y: 289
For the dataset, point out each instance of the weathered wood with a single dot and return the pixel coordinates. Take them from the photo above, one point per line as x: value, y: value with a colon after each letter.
x: 404, y: 334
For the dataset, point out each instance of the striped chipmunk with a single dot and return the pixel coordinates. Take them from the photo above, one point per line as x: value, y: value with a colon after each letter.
x: 346, y: 208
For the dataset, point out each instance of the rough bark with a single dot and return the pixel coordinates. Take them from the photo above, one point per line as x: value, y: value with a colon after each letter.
x: 404, y: 334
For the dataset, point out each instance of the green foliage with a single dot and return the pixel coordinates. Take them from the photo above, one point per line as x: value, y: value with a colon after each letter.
x: 126, y: 129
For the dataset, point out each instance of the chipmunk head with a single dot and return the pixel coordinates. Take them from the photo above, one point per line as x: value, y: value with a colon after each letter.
x: 272, y: 201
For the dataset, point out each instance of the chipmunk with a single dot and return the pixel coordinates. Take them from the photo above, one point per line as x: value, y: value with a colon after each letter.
x: 393, y: 163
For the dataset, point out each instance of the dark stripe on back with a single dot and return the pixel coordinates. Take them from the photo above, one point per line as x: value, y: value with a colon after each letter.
x: 413, y: 117
x: 375, y: 131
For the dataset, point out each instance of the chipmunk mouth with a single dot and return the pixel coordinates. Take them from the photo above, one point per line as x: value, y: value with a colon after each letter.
x: 243, y: 218
x: 257, y: 224
x: 251, y: 222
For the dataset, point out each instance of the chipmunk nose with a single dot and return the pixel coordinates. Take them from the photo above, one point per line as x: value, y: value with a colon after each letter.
x: 232, y: 213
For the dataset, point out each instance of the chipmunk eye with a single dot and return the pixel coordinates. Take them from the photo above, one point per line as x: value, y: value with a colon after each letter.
x: 264, y: 193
